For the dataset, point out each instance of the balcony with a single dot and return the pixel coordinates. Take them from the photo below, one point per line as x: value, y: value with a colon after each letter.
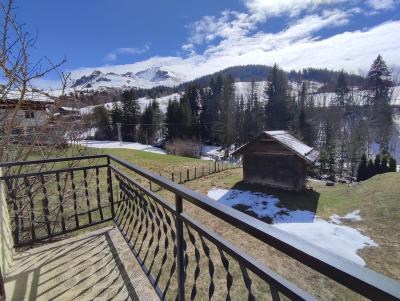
x: 98, y: 227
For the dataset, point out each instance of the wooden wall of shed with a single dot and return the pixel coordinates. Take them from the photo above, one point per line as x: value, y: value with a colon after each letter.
x: 285, y: 170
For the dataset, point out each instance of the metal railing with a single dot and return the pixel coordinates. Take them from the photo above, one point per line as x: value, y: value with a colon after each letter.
x: 182, y: 258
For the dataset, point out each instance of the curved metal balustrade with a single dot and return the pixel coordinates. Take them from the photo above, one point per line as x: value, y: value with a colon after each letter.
x: 182, y: 258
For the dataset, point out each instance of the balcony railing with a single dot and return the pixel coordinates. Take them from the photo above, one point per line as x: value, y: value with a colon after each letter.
x: 182, y: 258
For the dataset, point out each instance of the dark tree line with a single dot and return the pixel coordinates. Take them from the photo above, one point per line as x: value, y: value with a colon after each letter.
x: 381, y: 164
x: 212, y: 113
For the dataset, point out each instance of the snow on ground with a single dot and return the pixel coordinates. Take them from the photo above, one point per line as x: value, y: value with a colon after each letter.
x: 338, y: 239
x: 143, y: 102
x: 352, y: 216
x: 126, y: 145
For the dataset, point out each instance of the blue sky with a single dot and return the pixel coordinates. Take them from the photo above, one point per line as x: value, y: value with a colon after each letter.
x: 211, y: 34
x: 87, y: 31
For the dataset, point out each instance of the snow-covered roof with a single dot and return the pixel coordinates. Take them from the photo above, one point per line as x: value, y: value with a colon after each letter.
x: 70, y: 109
x: 29, y: 96
x: 284, y: 138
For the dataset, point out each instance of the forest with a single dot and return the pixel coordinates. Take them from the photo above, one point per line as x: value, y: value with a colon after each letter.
x: 209, y: 112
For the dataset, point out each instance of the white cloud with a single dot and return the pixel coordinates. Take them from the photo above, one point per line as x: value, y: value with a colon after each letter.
x: 267, y: 8
x: 233, y: 38
x: 113, y: 55
x: 352, y: 51
x: 382, y: 4
x: 300, y: 31
x: 229, y: 24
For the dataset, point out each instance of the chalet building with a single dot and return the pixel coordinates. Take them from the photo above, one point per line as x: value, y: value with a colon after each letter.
x: 276, y: 159
x: 32, y: 114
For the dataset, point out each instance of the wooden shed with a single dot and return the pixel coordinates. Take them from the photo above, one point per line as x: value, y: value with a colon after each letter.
x: 276, y: 159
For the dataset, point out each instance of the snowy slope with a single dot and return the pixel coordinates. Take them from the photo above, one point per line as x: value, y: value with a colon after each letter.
x: 143, y: 102
x: 147, y: 78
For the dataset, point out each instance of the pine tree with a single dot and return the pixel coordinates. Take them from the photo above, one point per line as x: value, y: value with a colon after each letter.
x: 362, y: 168
x: 279, y: 108
x: 342, y: 91
x: 171, y: 119
x: 185, y: 117
x: 130, y: 116
x: 116, y: 117
x: 214, y: 106
x: 331, y: 148
x: 380, y: 89
x: 370, y: 169
x: 379, y: 81
x: 384, y: 164
x: 226, y: 122
x: 103, y: 127
x: 327, y: 157
x: 241, y: 135
x: 206, y: 122
x: 151, y: 122
x: 377, y: 165
x: 305, y: 128
x: 392, y: 165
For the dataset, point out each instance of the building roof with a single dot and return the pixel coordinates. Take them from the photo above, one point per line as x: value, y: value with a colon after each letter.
x: 304, y: 151
x: 30, y: 96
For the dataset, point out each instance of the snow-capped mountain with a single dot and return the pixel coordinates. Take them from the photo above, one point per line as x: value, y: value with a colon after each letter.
x: 147, y: 78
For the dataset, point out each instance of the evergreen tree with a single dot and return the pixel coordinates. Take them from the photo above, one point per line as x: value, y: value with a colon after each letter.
x: 103, y: 127
x: 305, y: 128
x: 392, y: 165
x: 379, y: 81
x: 185, y: 117
x: 342, y: 91
x: 362, y: 168
x: 116, y: 117
x: 380, y: 89
x: 254, y: 119
x: 377, y: 165
x: 384, y: 164
x: 331, y: 148
x: 206, y: 122
x: 214, y: 106
x: 279, y: 108
x: 370, y: 169
x: 327, y: 157
x: 226, y: 123
x: 172, y: 119
x: 130, y: 116
x: 241, y: 135
x: 151, y: 122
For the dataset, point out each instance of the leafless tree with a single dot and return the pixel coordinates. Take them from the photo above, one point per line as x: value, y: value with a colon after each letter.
x: 18, y: 74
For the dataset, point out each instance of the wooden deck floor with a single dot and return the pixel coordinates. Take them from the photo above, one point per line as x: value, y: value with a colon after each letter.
x: 94, y: 266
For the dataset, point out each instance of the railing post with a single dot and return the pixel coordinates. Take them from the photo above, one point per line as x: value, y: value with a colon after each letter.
x: 180, y: 249
x: 110, y: 188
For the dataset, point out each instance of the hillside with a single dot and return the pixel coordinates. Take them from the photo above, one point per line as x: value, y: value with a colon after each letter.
x: 377, y: 200
x: 152, y: 77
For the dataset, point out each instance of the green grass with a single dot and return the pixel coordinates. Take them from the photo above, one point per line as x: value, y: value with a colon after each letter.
x: 165, y: 164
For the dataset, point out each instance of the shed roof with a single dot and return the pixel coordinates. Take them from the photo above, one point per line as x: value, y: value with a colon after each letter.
x: 304, y: 151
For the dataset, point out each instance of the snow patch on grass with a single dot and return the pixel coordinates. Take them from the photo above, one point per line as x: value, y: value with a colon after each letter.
x: 338, y: 239
x: 352, y: 216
